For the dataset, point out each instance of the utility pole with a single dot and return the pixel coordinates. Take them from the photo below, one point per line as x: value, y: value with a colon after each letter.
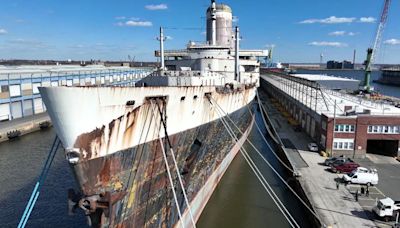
x: 334, y: 126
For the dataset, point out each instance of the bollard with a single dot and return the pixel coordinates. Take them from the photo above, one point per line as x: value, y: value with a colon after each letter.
x: 356, y: 195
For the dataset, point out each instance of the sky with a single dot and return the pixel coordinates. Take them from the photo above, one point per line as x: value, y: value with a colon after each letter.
x: 299, y: 30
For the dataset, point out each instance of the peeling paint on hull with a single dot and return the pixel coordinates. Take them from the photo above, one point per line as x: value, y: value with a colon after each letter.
x: 119, y: 164
x: 140, y: 174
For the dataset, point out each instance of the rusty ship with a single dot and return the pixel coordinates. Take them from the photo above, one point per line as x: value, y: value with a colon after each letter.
x: 124, y: 143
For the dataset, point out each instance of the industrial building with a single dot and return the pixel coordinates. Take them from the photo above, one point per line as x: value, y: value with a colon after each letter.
x: 19, y: 94
x: 339, y: 65
x: 341, y: 123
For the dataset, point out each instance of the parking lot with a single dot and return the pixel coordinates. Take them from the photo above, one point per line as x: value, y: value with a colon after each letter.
x: 388, y: 186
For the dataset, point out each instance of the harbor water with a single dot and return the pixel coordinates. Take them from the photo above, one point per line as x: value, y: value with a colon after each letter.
x: 359, y: 75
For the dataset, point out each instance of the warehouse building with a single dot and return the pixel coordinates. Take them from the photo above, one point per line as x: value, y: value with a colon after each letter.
x: 342, y: 124
x: 19, y: 94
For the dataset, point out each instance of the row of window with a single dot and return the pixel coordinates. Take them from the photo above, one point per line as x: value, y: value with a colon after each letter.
x: 344, y: 128
x: 16, y: 90
x: 383, y: 129
x: 343, y: 144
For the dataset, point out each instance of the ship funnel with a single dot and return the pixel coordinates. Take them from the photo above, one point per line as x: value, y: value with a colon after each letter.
x: 219, y: 25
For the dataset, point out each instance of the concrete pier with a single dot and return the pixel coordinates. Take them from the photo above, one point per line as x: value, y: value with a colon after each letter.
x: 24, y: 125
x: 335, y: 207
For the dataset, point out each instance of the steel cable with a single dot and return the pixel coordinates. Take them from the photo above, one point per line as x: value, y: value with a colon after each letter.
x: 168, y: 169
x: 273, y: 169
x: 36, y: 191
x: 260, y: 176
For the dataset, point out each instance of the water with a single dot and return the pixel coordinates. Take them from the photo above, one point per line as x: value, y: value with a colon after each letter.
x: 359, y: 75
x: 21, y: 162
x: 241, y: 201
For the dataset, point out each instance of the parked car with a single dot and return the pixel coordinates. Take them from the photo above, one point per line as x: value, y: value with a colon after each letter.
x: 313, y: 147
x: 341, y: 162
x: 363, y: 176
x: 341, y: 158
x: 346, y: 167
x: 387, y: 209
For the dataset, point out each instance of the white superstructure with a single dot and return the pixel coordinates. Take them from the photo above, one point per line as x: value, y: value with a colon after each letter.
x: 212, y: 63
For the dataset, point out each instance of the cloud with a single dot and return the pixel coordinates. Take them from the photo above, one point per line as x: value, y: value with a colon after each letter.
x: 329, y: 20
x: 135, y: 23
x: 21, y: 44
x: 77, y: 46
x: 120, y: 18
x: 367, y: 20
x: 327, y: 44
x: 3, y: 31
x: 157, y: 7
x: 337, y: 33
x: 270, y: 45
x: 341, y: 33
x: 392, y: 42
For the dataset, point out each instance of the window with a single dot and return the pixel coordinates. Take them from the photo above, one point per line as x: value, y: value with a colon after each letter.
x: 343, y: 144
x: 383, y: 129
x: 15, y: 90
x: 344, y: 128
x: 35, y: 87
x: 4, y: 88
x: 323, y: 125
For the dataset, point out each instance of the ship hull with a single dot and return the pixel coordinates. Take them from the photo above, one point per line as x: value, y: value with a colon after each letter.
x: 114, y: 140
x: 134, y: 182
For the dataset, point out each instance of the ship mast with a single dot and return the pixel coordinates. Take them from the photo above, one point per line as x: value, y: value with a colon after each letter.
x: 237, y: 67
x: 162, y: 39
x: 213, y: 23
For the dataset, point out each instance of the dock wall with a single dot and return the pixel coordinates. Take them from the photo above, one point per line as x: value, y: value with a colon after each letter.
x: 284, y: 156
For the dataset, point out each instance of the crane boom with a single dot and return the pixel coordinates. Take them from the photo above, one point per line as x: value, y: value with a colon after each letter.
x: 371, y: 52
x: 379, y: 32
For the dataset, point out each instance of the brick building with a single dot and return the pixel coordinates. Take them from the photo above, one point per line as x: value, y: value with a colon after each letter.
x: 339, y: 122
x: 360, y: 134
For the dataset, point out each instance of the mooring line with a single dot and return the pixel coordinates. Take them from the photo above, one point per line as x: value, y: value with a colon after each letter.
x: 36, y: 191
x: 259, y: 175
x: 273, y: 169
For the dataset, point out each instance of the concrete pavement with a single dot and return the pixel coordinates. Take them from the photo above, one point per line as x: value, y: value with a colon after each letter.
x: 335, y: 207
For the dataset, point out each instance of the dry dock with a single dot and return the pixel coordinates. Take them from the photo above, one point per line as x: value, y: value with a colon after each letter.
x: 335, y: 207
